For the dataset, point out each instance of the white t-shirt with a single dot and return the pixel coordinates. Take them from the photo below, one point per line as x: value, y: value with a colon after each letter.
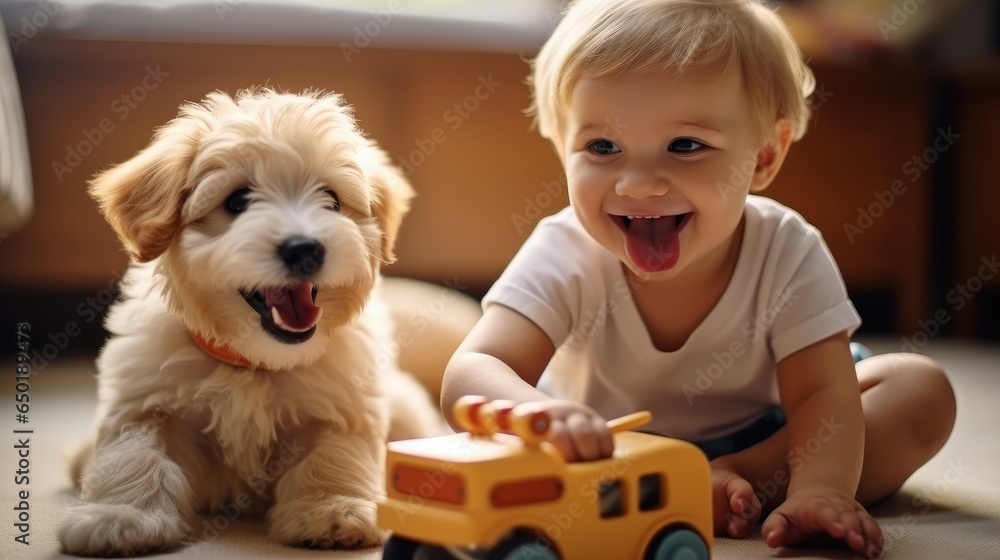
x: 785, y: 294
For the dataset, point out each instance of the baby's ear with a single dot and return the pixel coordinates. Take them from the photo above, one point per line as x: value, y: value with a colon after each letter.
x: 771, y: 155
x: 390, y: 201
x: 142, y: 197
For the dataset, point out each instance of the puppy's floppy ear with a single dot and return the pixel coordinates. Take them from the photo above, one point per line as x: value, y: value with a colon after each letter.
x: 142, y: 197
x: 391, y: 200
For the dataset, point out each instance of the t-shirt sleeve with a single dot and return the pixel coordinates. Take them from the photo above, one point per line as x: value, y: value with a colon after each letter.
x: 809, y: 302
x: 542, y: 281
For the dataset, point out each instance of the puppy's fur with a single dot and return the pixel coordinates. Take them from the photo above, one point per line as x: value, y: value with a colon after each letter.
x: 236, y: 205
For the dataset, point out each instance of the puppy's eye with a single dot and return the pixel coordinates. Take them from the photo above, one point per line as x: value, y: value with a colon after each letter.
x: 237, y: 202
x: 334, y: 201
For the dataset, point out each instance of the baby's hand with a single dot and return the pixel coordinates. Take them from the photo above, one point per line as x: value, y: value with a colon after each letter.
x: 814, y: 511
x: 579, y: 433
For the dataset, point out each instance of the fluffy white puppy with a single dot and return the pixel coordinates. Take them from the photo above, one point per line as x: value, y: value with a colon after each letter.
x: 251, y: 366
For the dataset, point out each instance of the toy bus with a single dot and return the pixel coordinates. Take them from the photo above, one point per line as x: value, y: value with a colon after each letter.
x: 488, y: 495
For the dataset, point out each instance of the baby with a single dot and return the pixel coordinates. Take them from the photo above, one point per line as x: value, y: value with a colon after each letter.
x: 667, y: 286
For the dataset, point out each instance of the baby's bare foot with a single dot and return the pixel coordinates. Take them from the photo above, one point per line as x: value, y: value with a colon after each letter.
x: 735, y: 507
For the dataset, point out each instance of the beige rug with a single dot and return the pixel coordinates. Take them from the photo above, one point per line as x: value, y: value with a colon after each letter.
x: 948, y: 509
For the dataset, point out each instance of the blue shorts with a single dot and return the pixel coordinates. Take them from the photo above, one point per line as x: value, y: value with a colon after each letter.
x: 772, y: 421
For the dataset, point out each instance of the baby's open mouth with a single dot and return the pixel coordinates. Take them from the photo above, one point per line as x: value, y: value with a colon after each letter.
x: 652, y: 243
x: 289, y: 314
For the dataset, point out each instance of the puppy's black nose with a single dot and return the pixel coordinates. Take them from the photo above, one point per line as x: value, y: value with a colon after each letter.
x: 302, y: 256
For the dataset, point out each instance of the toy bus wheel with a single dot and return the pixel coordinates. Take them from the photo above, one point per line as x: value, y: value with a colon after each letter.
x: 399, y: 548
x: 523, y: 546
x: 678, y: 544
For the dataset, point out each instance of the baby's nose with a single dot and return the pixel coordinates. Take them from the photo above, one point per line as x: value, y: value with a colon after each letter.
x: 642, y: 184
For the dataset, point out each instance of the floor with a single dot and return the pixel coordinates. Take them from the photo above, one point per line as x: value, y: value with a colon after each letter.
x: 949, y: 509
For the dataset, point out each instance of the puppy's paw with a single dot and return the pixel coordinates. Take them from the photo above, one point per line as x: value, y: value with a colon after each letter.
x: 333, y: 522
x: 119, y: 530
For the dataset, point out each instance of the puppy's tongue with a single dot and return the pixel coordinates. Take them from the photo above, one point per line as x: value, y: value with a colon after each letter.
x: 293, y: 309
x: 653, y: 245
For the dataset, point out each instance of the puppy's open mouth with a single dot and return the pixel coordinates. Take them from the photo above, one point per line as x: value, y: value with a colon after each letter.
x: 289, y: 314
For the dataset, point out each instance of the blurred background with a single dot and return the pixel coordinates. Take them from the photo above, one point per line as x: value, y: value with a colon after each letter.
x: 897, y: 169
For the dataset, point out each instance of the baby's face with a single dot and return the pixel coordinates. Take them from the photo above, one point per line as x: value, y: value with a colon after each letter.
x: 659, y: 169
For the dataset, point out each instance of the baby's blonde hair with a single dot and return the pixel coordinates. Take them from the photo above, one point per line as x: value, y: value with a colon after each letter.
x: 607, y: 39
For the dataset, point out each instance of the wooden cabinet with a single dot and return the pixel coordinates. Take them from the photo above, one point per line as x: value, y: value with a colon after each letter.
x: 455, y: 121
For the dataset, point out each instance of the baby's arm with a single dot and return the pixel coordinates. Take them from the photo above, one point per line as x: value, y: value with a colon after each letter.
x: 821, y: 399
x: 502, y: 358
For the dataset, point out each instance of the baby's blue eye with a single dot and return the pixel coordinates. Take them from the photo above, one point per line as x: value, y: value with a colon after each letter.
x: 603, y: 147
x: 685, y: 146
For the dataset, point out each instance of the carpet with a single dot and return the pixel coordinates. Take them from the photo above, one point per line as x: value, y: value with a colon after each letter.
x: 950, y: 508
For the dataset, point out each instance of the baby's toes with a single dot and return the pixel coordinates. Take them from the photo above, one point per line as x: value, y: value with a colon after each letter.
x: 736, y: 508
x: 745, y: 508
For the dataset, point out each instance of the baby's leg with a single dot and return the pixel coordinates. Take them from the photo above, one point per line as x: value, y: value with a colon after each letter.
x: 909, y: 409
x: 909, y: 414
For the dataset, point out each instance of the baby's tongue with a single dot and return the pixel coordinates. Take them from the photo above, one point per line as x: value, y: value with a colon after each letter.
x: 653, y: 245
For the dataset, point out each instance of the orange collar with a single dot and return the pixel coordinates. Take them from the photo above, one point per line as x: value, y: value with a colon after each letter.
x: 220, y: 352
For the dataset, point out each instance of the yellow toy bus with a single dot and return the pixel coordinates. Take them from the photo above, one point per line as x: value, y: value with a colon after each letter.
x: 488, y: 495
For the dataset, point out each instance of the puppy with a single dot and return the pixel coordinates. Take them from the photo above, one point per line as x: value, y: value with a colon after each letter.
x: 250, y: 364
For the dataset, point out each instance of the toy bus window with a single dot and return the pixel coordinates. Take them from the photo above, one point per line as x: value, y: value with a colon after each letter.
x: 650, y: 492
x: 612, y: 504
x: 524, y: 492
x: 428, y: 484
